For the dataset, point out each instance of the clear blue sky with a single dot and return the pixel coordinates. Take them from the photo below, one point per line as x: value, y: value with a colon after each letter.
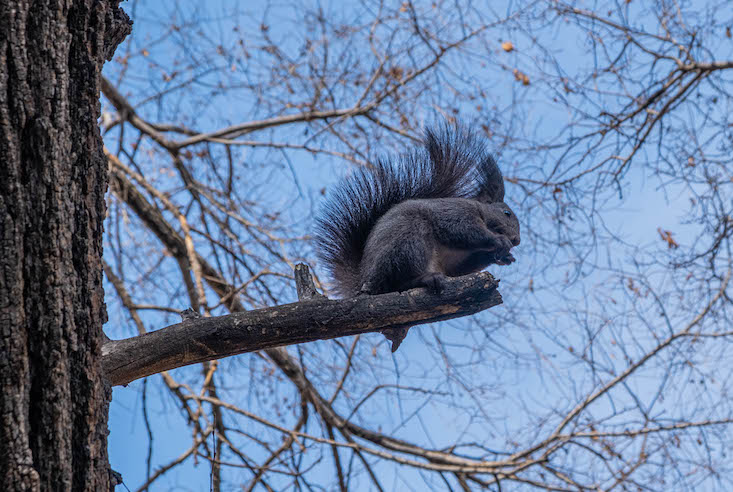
x: 645, y: 207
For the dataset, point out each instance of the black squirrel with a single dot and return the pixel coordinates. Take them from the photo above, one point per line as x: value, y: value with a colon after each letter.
x: 437, y: 211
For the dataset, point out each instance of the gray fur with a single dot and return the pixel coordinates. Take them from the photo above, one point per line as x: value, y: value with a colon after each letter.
x: 448, y: 236
x: 434, y: 213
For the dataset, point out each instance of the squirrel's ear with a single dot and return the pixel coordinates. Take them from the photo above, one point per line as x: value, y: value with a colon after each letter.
x: 490, y: 181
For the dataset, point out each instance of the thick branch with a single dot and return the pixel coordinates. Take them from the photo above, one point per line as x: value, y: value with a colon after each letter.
x: 203, y: 339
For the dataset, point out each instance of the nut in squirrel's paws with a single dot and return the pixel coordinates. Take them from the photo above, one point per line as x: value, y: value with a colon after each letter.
x: 506, y: 259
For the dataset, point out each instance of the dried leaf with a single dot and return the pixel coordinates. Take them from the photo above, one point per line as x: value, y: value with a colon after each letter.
x: 667, y: 237
x: 521, y: 76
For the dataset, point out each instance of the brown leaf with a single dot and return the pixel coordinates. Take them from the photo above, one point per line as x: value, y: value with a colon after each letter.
x: 521, y: 76
x: 667, y: 237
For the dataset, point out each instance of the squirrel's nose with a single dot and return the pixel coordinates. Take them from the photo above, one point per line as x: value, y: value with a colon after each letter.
x: 515, y: 240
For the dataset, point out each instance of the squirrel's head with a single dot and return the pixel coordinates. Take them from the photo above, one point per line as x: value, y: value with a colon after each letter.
x: 501, y: 219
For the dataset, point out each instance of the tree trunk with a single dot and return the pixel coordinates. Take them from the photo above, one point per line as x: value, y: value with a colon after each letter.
x: 53, y: 176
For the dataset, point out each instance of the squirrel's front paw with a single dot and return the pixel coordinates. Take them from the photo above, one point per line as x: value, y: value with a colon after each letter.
x: 501, y: 246
x: 506, y: 259
x: 503, y: 243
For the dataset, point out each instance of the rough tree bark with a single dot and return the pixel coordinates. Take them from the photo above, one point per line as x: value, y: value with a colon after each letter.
x: 314, y: 318
x: 53, y: 176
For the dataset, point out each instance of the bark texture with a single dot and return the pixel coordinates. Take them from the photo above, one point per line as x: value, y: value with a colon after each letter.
x: 315, y: 318
x: 53, y: 176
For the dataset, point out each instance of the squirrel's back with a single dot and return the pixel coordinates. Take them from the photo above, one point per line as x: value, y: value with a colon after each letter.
x: 453, y: 163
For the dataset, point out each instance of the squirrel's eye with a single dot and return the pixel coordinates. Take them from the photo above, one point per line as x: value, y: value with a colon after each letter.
x: 507, y: 213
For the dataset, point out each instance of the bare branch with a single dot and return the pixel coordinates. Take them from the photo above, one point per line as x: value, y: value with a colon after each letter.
x: 204, y: 339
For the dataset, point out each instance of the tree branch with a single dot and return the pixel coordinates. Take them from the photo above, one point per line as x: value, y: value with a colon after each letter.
x: 204, y: 339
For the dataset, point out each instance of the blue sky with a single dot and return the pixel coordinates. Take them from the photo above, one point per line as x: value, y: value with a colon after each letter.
x: 530, y: 383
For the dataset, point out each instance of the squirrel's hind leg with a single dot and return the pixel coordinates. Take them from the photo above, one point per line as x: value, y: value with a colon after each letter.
x: 398, y: 264
x: 434, y: 281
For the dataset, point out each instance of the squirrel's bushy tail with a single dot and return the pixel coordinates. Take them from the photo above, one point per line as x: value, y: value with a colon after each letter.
x: 452, y: 163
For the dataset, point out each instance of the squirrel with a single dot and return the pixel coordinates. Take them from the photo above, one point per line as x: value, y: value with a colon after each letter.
x: 409, y: 222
